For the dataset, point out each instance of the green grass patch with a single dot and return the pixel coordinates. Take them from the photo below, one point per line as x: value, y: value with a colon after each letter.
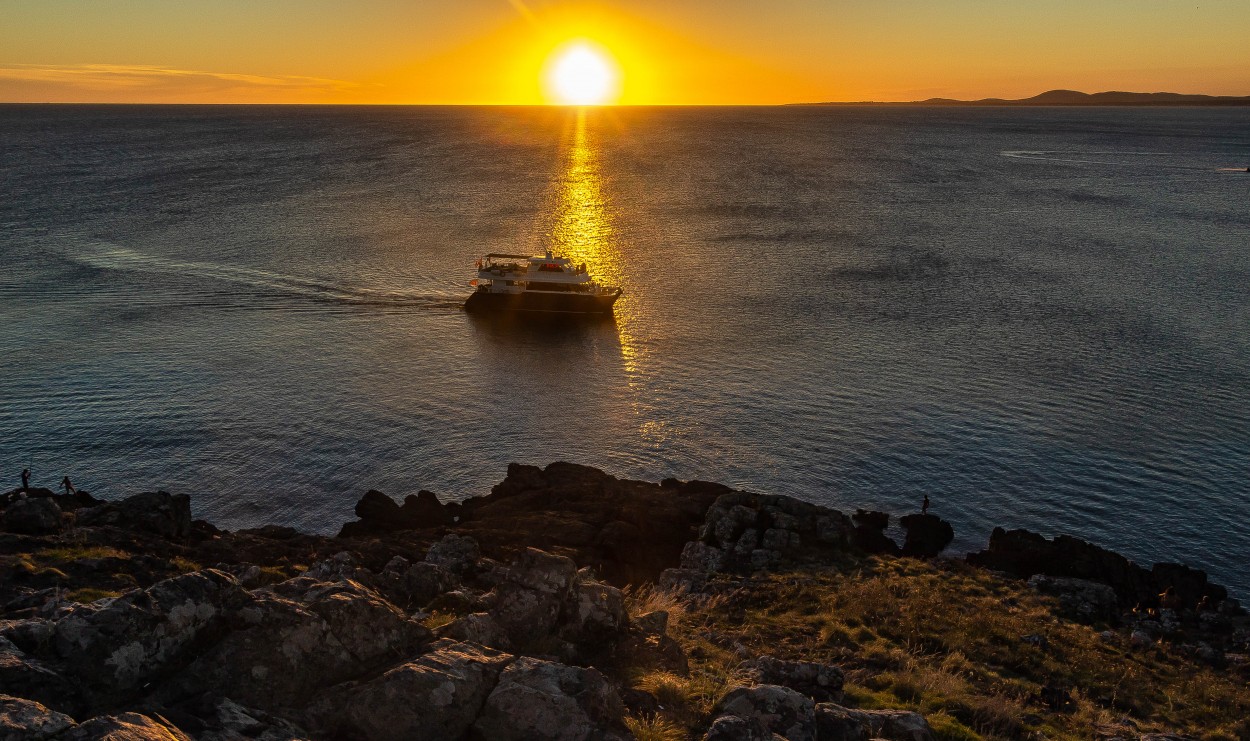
x: 91, y: 594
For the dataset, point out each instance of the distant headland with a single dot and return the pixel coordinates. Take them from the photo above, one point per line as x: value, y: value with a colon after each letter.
x: 1071, y: 98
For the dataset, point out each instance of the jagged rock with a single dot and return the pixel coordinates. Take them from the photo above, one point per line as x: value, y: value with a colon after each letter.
x: 33, y: 516
x: 821, y: 682
x: 1190, y: 584
x: 457, y: 554
x: 271, y: 532
x: 1082, y: 600
x: 702, y: 558
x: 927, y: 535
x: 733, y: 728
x: 747, y: 532
x: 895, y: 725
x: 652, y: 623
x: 340, y: 566
x: 298, y: 637
x: 378, y: 510
x: 869, y: 534
x: 540, y: 699
x: 417, y: 584
x: 113, y: 647
x: 223, y: 719
x: 34, y: 679
x: 1025, y: 553
x: 531, y: 594
x: 600, y: 613
x: 124, y: 727
x: 424, y: 510
x: 776, y: 709
x: 434, y: 697
x: 627, y: 531
x: 836, y: 723
x: 26, y: 720
x: 477, y: 627
x: 159, y: 513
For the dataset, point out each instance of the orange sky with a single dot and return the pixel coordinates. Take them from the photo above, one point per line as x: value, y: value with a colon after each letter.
x: 693, y: 52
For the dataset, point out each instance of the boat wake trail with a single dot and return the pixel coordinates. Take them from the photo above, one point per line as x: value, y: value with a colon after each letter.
x: 1108, y: 159
x: 107, y: 256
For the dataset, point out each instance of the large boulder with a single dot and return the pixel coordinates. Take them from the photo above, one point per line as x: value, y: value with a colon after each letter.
x: 112, y: 648
x: 894, y: 725
x: 33, y: 516
x: 436, y: 696
x: 159, y: 513
x: 26, y: 720
x: 1084, y: 601
x: 477, y: 627
x: 746, y: 532
x: 530, y: 595
x: 540, y: 699
x: 415, y: 585
x: 456, y: 553
x: 927, y: 535
x: 599, y: 614
x: 298, y: 637
x: 772, y: 709
x: 821, y: 682
x: 836, y: 723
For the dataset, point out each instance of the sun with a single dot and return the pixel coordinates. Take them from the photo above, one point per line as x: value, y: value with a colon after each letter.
x: 582, y: 73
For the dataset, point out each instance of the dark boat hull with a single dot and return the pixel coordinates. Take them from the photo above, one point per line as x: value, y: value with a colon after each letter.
x: 540, y: 303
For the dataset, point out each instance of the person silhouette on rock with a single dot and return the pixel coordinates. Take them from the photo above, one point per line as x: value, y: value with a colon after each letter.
x: 69, y: 487
x: 25, y: 480
x: 924, y: 508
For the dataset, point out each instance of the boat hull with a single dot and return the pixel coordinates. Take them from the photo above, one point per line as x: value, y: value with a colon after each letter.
x: 540, y: 303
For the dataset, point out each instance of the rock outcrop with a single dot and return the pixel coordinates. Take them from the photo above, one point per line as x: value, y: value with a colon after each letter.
x: 627, y: 531
x: 1025, y: 553
x: 33, y: 516
x: 326, y: 651
x: 927, y: 535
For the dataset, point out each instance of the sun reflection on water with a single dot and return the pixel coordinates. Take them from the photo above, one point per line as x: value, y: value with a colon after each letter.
x: 583, y: 232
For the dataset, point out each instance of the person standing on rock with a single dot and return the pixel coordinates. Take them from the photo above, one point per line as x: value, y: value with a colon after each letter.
x: 69, y: 487
x: 924, y: 508
x: 25, y: 480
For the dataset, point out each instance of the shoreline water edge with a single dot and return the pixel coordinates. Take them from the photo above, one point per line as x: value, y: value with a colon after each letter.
x: 571, y: 604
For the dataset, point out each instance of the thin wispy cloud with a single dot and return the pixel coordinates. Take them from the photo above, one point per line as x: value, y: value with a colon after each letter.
x: 85, y: 81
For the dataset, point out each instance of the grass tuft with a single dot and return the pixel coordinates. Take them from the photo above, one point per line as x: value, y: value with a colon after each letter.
x: 654, y: 728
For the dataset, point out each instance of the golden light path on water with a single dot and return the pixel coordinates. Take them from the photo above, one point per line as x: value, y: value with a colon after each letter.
x: 583, y: 231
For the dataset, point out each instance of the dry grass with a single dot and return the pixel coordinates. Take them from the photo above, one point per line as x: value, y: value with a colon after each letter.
x: 438, y: 619
x: 75, y: 553
x: 946, y: 639
x: 655, y: 728
x: 90, y: 594
x: 649, y: 598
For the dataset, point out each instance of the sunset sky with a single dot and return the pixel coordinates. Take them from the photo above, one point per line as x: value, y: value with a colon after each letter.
x: 674, y: 52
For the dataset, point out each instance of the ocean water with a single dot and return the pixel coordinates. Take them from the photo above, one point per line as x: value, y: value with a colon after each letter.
x: 1038, y: 317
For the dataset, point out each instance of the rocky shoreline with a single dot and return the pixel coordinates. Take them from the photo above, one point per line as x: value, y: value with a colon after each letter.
x: 521, y: 614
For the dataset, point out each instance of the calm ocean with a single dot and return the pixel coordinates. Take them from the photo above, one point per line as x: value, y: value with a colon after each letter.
x: 1038, y: 317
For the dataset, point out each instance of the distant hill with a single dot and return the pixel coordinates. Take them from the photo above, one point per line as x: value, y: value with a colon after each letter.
x: 1075, y: 98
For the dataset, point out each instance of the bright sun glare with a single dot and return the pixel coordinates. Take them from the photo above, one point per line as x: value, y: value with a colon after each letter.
x: 581, y: 74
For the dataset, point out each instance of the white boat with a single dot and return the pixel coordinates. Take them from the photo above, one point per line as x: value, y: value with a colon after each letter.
x: 543, y: 284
